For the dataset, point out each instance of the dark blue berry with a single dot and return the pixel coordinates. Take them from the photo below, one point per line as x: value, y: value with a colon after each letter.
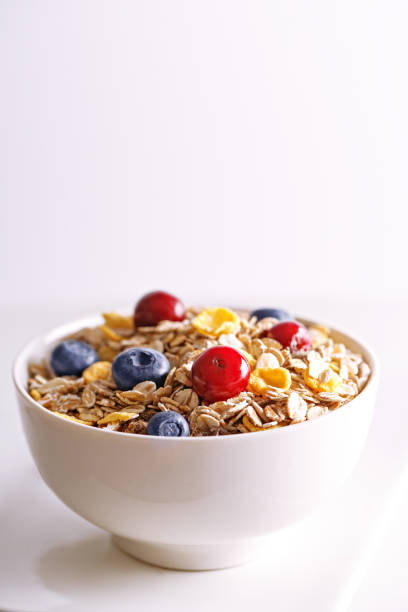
x: 276, y: 313
x: 72, y: 357
x: 138, y: 364
x: 168, y: 423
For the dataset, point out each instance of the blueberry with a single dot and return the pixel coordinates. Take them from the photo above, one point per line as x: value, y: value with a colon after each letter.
x: 276, y: 313
x: 71, y: 357
x: 138, y: 364
x: 168, y: 423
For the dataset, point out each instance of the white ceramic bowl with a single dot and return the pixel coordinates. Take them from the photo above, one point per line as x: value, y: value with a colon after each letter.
x: 193, y: 503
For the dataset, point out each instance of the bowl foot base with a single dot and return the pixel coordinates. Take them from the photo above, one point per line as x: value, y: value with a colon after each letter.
x: 209, y: 557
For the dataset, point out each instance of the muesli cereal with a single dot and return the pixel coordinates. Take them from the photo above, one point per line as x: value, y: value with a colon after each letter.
x: 172, y: 371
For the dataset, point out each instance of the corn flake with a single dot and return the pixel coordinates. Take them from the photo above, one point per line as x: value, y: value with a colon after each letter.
x: 329, y: 381
x: 107, y: 353
x: 251, y: 360
x: 262, y: 378
x: 249, y: 425
x: 114, y: 320
x: 114, y: 417
x: 72, y: 418
x: 215, y: 321
x: 101, y: 370
x: 110, y: 333
x: 319, y: 334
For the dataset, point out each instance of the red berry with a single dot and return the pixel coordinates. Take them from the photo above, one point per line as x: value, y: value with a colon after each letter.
x: 219, y: 373
x: 158, y: 306
x: 291, y: 335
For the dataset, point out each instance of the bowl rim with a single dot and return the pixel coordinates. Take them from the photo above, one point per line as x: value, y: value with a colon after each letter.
x: 94, y: 319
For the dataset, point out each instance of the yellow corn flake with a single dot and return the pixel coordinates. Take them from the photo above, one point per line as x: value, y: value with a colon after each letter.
x: 114, y: 417
x: 110, y: 333
x: 107, y: 353
x: 36, y: 395
x: 320, y: 386
x: 101, y: 370
x: 335, y: 367
x: 216, y: 321
x: 72, y: 418
x: 251, y: 360
x: 322, y: 329
x: 263, y: 378
x: 319, y: 334
x: 249, y: 425
x: 114, y: 320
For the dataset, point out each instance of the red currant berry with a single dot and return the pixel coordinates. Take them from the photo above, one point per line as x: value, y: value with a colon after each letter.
x: 290, y: 334
x: 158, y: 306
x: 219, y: 373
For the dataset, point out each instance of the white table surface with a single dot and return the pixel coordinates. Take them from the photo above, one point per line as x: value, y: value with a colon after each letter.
x: 350, y: 555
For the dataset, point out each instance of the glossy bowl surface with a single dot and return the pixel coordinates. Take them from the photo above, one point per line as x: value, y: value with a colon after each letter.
x: 193, y: 503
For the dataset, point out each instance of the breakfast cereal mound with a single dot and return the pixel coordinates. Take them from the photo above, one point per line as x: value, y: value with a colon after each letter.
x: 262, y: 373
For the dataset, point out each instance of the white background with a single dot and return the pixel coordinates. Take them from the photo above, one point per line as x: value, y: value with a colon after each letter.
x: 237, y: 147
x: 240, y: 152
